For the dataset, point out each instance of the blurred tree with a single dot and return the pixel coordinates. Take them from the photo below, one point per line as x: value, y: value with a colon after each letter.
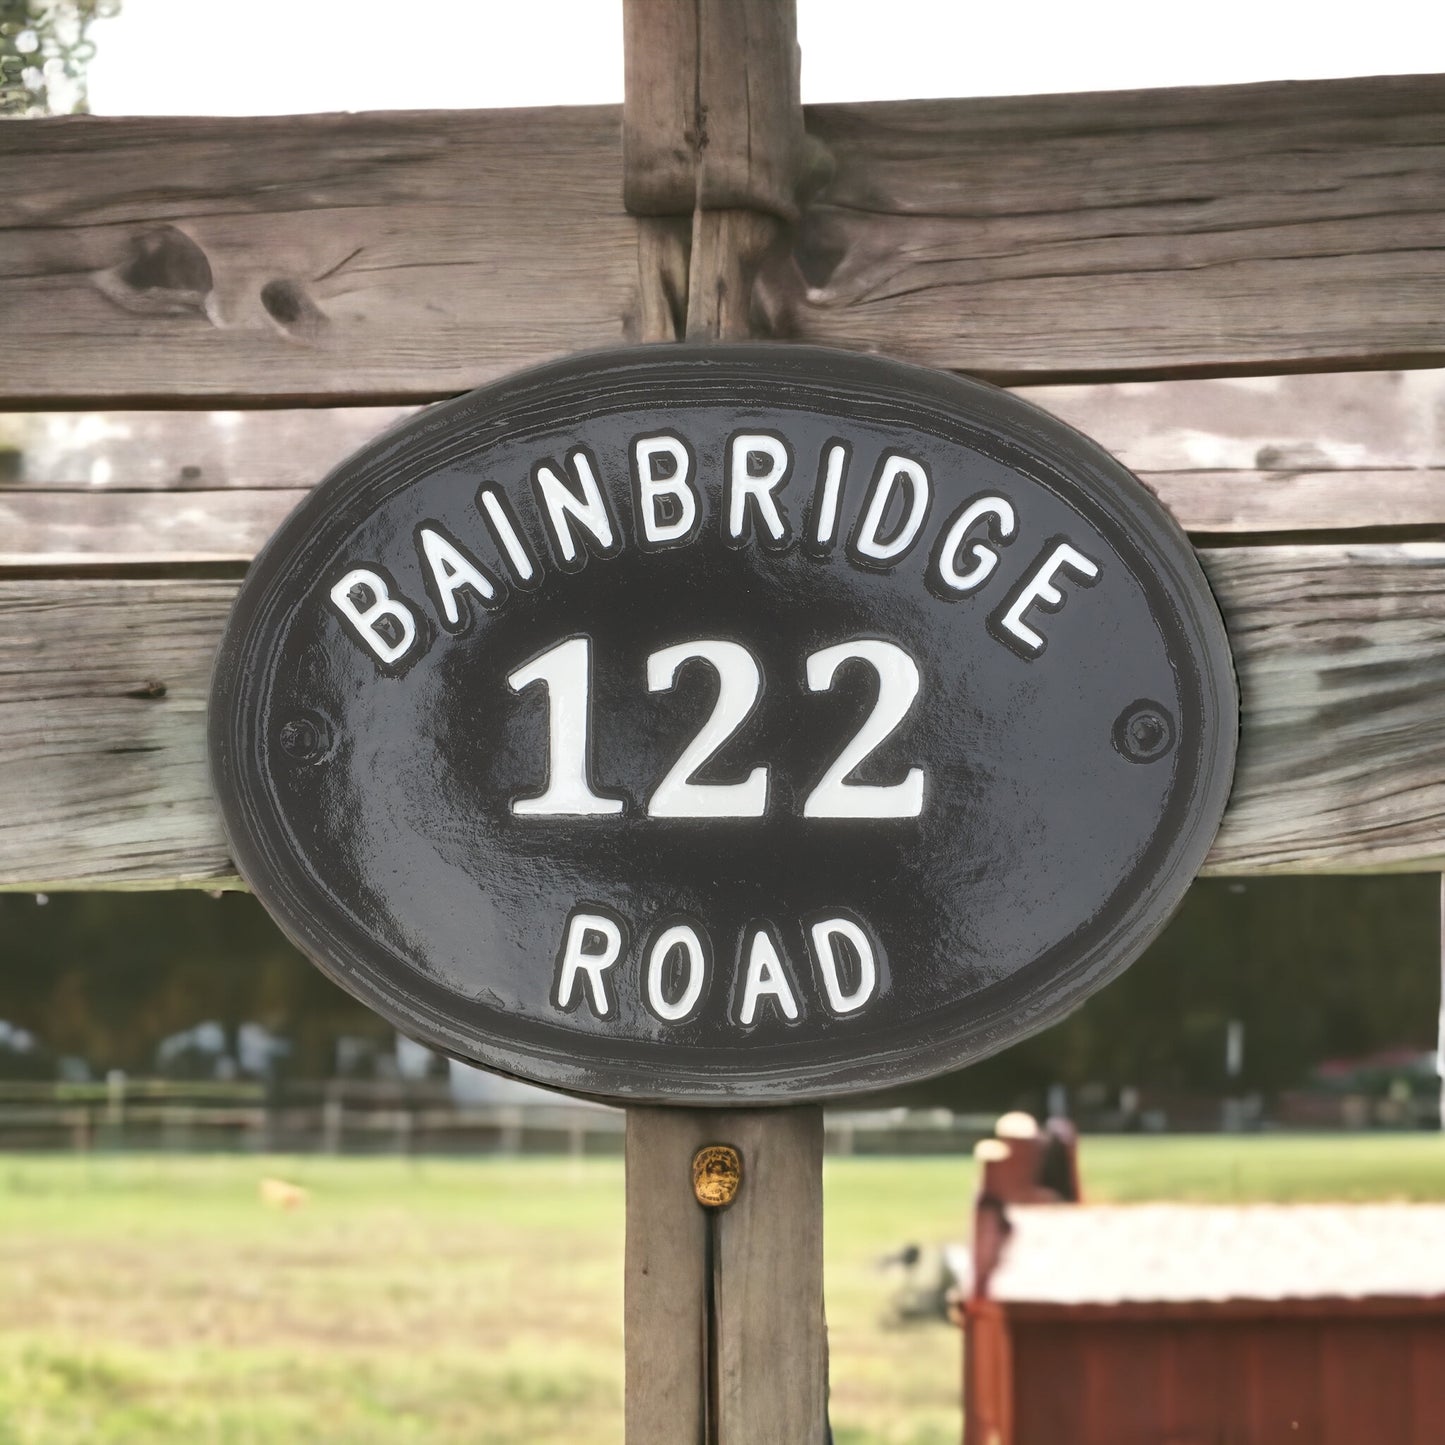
x: 106, y: 977
x: 1314, y: 967
x: 45, y: 46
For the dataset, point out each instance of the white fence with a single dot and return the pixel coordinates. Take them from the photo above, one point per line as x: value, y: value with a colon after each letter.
x: 348, y: 1117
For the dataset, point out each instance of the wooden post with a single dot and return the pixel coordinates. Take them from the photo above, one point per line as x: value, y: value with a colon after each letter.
x: 724, y: 1307
x: 714, y: 158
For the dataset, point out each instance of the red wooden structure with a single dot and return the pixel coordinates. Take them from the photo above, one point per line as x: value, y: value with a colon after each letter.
x: 1167, y: 1324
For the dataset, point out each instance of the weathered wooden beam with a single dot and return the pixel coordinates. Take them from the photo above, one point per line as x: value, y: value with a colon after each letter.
x: 729, y: 249
x: 662, y: 136
x: 182, y: 451
x: 1280, y: 227
x: 1361, y: 452
x: 1340, y: 653
x: 1340, y: 650
x: 1243, y: 228
x: 772, y: 1352
x: 135, y: 529
x: 712, y: 130
x: 102, y: 734
x: 1332, y: 422
x: 385, y: 256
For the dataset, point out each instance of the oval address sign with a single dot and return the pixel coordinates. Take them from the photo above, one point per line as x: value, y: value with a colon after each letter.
x: 721, y: 723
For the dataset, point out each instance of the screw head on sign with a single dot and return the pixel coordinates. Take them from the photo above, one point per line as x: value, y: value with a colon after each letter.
x: 1144, y: 731
x: 305, y: 738
x: 717, y: 1175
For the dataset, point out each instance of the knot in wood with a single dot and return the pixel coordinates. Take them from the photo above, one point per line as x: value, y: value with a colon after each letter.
x: 717, y: 1175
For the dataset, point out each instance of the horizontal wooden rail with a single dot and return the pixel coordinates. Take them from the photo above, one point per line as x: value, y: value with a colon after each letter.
x: 1264, y: 228
x: 1340, y: 651
x: 1255, y: 228
x: 1348, y: 452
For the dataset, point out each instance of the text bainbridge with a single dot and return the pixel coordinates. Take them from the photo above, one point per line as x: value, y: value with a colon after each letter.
x: 667, y: 512
x: 673, y: 961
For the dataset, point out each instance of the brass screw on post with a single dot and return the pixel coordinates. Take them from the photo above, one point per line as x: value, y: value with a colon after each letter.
x: 717, y: 1175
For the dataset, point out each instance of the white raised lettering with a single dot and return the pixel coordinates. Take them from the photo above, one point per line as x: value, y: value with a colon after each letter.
x: 898, y: 684
x: 757, y: 494
x: 825, y: 934
x: 740, y: 682
x: 565, y: 508
x: 366, y: 621
x: 825, y: 516
x: 896, y: 474
x: 566, y: 672
x: 985, y: 558
x: 577, y: 958
x: 452, y: 571
x: 653, y: 489
x: 683, y: 937
x: 765, y: 978
x: 1039, y: 591
x: 505, y: 531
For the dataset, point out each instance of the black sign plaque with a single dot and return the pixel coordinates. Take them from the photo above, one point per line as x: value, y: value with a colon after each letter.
x: 747, y: 723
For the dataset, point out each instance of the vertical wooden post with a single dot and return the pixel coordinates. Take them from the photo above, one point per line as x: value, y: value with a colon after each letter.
x: 714, y: 157
x: 665, y: 1310
x: 724, y: 1308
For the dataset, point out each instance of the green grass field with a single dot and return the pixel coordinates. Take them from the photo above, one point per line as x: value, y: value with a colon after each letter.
x: 151, y: 1299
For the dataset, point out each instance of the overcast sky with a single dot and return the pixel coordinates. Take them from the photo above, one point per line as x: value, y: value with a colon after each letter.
x: 221, y: 57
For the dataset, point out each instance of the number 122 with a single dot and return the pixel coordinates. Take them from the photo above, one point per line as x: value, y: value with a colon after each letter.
x: 566, y: 672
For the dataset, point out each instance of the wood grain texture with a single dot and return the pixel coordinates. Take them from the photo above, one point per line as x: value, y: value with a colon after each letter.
x: 665, y: 1278
x: 772, y: 1367
x: 1340, y: 651
x: 1242, y: 228
x: 769, y: 1351
x: 102, y: 733
x: 712, y: 119
x: 749, y: 109
x: 1286, y: 226
x: 110, y: 528
x: 117, y: 528
x: 660, y: 136
x: 664, y: 249
x: 1341, y: 660
x: 379, y: 255
x: 728, y: 251
x: 1354, y: 452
